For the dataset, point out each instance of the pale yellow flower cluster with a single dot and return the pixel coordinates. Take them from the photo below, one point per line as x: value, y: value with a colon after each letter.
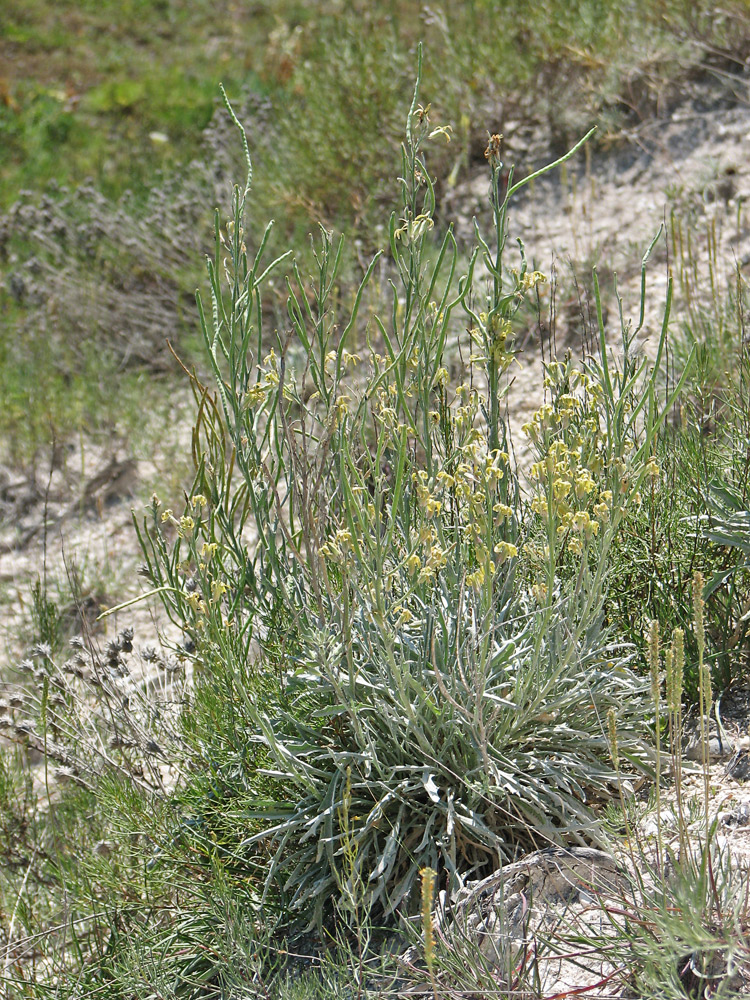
x: 569, y: 443
x: 185, y: 525
x: 457, y: 493
x: 259, y: 392
x: 206, y: 588
x: 386, y: 409
x: 433, y: 558
x: 493, y: 337
x: 338, y: 547
x: 470, y: 491
x: 530, y: 279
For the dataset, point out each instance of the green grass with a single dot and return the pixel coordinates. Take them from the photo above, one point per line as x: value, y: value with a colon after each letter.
x: 88, y: 83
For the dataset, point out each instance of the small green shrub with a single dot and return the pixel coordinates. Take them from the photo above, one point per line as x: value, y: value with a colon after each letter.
x: 356, y: 527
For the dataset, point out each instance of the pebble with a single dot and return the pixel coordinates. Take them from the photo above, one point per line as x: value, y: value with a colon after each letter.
x: 739, y: 766
x: 718, y: 749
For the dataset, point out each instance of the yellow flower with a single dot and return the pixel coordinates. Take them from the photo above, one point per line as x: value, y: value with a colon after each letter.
x: 432, y: 507
x: 186, y: 527
x: 581, y: 520
x: 503, y: 511
x: 413, y: 563
x: 584, y: 485
x: 475, y: 579
x: 561, y: 488
x: 532, y: 279
x: 505, y: 551
x: 404, y: 615
x: 350, y: 359
x: 575, y: 546
x: 531, y: 431
x: 602, y: 512
x: 342, y: 406
x: 427, y: 534
x: 545, y: 415
x: 218, y: 588
x: 436, y: 557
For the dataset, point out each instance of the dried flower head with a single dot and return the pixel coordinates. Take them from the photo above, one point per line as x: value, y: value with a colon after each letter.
x: 492, y: 152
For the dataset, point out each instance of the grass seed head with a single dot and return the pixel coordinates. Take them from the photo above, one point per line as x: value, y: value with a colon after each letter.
x: 698, y: 612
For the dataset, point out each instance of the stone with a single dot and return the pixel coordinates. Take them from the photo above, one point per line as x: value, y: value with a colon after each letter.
x: 739, y: 766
